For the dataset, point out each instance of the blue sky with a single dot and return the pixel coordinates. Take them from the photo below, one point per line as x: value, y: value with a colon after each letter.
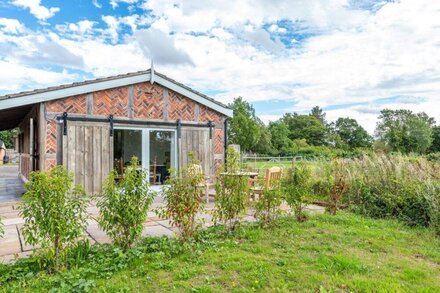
x: 351, y: 57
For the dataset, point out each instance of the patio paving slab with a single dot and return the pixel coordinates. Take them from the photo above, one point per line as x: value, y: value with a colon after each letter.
x: 157, y: 230
x: 10, y: 243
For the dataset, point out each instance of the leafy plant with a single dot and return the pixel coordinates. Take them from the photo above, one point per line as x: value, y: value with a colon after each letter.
x: 183, y: 199
x: 54, y: 212
x: 124, y: 205
x: 232, y: 191
x: 297, y: 188
x: 396, y: 186
x: 267, y: 208
x: 338, y: 186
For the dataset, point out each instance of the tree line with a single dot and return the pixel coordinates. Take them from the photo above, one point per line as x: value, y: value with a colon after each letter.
x: 295, y: 134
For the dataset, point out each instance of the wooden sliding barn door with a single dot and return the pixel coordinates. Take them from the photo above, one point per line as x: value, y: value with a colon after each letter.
x: 87, y: 152
x: 197, y: 141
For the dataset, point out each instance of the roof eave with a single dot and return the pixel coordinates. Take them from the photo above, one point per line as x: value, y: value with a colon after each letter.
x: 108, y: 84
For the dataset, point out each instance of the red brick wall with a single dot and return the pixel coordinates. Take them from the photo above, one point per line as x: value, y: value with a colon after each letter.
x: 180, y: 107
x: 75, y: 104
x: 148, y: 103
x: 112, y: 101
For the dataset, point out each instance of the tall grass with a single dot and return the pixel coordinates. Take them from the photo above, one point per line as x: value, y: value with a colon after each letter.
x: 395, y: 186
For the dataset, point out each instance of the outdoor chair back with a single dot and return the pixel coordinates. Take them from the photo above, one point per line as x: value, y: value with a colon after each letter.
x: 273, y: 175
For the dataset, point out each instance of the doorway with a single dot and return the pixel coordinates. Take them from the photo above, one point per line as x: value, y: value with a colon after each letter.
x: 155, y: 149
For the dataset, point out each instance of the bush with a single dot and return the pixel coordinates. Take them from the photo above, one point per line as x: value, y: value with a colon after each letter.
x: 183, y: 199
x: 297, y: 188
x: 124, y: 205
x: 232, y: 192
x: 267, y: 208
x: 396, y: 186
x: 338, y: 186
x: 54, y: 212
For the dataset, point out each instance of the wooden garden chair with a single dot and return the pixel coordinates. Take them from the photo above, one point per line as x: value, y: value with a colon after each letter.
x: 273, y: 176
x: 206, y: 184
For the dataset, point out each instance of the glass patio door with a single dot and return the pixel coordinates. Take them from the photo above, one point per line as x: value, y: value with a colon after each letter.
x: 155, y: 149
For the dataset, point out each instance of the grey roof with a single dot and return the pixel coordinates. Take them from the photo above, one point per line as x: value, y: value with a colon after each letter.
x: 86, y: 82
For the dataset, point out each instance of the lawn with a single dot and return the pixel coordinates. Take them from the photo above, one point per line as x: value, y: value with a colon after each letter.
x: 343, y: 253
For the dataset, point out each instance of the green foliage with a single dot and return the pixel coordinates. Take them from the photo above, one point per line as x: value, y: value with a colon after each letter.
x: 338, y: 185
x: 346, y: 251
x: 306, y: 127
x: 244, y: 128
x: 279, y: 135
x: 297, y: 188
x: 264, y: 144
x: 435, y: 146
x: 183, y: 199
x: 232, y: 192
x: 54, y: 212
x: 7, y: 136
x: 405, y: 131
x: 351, y: 134
x: 396, y: 186
x: 267, y: 207
x: 124, y: 205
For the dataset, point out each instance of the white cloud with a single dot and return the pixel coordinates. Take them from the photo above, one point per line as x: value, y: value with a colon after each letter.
x: 36, y: 9
x: 349, y: 57
x: 16, y: 77
x: 12, y: 26
x: 96, y: 4
x: 115, y: 3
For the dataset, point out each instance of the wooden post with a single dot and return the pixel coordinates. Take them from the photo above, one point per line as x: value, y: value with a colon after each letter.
x: 31, y: 144
x: 42, y: 137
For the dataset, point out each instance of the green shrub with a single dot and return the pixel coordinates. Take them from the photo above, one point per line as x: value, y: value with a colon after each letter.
x: 396, y: 186
x: 338, y: 186
x: 297, y: 188
x: 267, y: 207
x: 232, y: 192
x: 54, y: 212
x: 183, y: 199
x: 124, y: 205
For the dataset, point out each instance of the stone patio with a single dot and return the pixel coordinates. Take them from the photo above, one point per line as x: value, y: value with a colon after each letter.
x: 13, y: 246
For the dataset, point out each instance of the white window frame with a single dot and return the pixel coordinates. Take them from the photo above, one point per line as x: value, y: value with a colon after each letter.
x: 145, y: 147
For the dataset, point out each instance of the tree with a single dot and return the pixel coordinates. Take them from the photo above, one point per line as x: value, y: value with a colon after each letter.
x: 435, y: 146
x: 54, y: 211
x: 244, y: 129
x: 124, y: 205
x: 351, y: 134
x: 306, y: 126
x: 7, y: 136
x: 402, y: 130
x: 319, y: 114
x: 279, y: 135
x: 264, y: 144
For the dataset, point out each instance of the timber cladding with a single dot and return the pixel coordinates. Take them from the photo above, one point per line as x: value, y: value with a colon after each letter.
x: 87, y: 147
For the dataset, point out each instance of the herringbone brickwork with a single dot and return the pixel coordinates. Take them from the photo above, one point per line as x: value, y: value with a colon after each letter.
x: 206, y: 114
x: 51, y: 137
x: 180, y: 107
x: 218, y: 141
x: 75, y: 104
x: 148, y: 101
x: 50, y: 164
x: 112, y: 101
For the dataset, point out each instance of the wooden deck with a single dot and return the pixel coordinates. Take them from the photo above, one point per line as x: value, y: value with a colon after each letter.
x: 11, y: 187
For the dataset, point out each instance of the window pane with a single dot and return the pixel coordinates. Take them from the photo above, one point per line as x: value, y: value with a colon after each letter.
x: 127, y: 143
x: 161, y: 155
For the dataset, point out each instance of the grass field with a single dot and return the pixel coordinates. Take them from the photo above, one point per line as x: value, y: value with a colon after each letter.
x: 343, y: 253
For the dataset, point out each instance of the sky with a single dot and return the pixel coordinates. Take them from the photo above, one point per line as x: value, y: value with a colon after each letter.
x: 350, y: 57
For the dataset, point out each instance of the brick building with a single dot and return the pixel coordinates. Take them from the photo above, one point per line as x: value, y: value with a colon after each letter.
x: 94, y: 126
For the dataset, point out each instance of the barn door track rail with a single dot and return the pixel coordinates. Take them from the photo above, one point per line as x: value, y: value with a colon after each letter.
x: 178, y: 124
